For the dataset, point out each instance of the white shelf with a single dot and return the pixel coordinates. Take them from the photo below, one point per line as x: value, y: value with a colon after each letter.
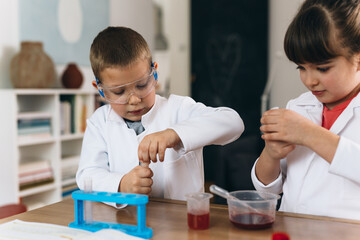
x: 33, y: 104
x: 37, y: 189
x: 29, y: 140
x: 68, y: 137
x: 68, y: 182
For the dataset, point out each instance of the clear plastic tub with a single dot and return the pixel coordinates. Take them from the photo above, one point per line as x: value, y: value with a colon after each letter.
x: 255, y: 210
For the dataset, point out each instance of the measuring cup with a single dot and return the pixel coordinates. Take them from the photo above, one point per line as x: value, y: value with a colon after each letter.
x: 198, y: 210
x: 249, y: 209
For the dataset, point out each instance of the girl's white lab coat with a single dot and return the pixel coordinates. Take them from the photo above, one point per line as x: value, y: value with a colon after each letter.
x: 110, y: 148
x: 309, y: 183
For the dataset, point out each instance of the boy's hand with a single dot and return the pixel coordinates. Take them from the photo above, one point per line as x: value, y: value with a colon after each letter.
x: 286, y: 126
x: 156, y: 144
x: 138, y: 180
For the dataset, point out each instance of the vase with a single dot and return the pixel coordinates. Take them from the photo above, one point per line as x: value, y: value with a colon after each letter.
x: 72, y: 77
x: 32, y: 67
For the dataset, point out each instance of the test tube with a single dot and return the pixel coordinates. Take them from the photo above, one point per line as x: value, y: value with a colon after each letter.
x: 88, y: 204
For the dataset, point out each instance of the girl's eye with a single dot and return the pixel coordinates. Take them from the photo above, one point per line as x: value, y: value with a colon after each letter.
x: 323, y: 69
x: 300, y: 67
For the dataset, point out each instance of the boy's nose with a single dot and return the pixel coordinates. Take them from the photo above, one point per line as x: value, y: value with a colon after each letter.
x: 133, y: 99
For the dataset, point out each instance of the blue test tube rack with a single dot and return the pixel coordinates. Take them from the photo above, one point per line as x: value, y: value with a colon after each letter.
x: 139, y: 230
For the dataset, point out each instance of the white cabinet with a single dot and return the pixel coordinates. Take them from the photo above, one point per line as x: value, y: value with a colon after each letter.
x: 21, y: 146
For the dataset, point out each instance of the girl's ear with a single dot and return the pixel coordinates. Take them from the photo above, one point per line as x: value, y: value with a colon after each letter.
x: 356, y: 59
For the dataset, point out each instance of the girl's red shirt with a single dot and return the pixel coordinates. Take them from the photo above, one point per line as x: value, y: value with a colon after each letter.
x: 330, y: 116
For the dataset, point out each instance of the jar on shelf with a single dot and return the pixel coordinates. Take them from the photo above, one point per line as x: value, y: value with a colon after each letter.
x: 72, y: 76
x: 32, y: 67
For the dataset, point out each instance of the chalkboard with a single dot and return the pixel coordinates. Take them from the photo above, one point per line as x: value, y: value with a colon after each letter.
x: 229, y: 42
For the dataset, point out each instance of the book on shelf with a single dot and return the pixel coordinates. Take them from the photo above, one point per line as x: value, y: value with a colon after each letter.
x: 69, y: 166
x: 65, y: 117
x: 35, y: 172
x: 68, y: 190
x: 73, y: 114
x: 34, y: 115
x: 34, y: 124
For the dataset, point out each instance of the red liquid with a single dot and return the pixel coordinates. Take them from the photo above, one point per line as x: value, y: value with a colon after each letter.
x: 252, y: 221
x: 198, y: 222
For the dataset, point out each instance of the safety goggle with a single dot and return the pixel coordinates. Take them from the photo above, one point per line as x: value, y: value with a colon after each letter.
x: 121, y: 94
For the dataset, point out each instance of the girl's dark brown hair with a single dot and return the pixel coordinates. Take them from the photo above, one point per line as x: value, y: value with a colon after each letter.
x: 322, y: 30
x: 117, y: 47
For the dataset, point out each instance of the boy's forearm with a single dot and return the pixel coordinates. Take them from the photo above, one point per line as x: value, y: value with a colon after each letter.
x: 218, y: 127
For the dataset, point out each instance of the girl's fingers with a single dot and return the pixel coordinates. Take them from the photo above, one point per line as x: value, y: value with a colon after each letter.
x: 269, y: 128
x: 272, y: 136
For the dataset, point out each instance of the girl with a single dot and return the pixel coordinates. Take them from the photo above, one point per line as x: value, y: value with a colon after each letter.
x: 312, y: 148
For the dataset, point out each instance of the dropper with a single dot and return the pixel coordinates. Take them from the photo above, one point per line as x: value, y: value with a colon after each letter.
x: 225, y: 194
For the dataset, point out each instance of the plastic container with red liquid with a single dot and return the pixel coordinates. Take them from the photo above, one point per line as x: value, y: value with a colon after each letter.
x: 252, y: 209
x: 198, y: 210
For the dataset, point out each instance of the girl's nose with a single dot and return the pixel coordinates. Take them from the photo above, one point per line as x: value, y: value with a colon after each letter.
x: 310, y: 79
x: 133, y: 99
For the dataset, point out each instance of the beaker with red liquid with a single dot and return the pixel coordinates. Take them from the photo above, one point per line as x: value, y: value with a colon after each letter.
x: 198, y: 210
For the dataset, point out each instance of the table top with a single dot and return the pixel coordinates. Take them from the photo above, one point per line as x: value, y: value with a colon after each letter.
x: 168, y: 219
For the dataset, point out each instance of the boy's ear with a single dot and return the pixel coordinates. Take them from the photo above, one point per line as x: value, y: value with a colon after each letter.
x: 94, y: 84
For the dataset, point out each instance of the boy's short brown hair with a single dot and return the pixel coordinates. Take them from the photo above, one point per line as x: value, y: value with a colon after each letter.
x: 117, y: 47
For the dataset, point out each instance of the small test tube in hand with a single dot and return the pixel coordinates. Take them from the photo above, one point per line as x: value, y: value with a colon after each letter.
x: 88, y: 204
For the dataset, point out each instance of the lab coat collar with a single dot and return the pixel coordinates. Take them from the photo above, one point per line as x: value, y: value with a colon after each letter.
x: 346, y: 115
x: 150, y: 115
x: 314, y: 110
x: 311, y: 106
x: 309, y: 100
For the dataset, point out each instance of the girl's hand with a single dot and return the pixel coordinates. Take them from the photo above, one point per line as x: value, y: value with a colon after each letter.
x: 286, y: 126
x: 267, y: 168
x: 155, y: 144
x: 277, y: 150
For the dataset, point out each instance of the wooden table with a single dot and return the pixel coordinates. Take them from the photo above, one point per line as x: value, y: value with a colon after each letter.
x: 168, y: 219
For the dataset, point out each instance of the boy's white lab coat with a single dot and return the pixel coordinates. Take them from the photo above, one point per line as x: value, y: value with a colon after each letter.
x: 110, y: 148
x: 309, y: 183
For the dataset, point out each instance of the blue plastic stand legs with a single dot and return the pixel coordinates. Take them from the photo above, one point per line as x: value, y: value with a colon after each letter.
x: 139, y: 230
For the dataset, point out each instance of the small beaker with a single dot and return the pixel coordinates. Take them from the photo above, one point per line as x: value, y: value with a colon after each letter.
x: 198, y: 210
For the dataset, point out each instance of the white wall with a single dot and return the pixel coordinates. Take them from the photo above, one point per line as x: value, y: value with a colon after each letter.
x: 176, y: 26
x: 134, y: 14
x: 9, y: 38
x: 286, y: 84
x: 131, y: 13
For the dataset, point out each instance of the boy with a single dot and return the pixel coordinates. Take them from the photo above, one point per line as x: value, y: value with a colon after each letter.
x: 138, y: 127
